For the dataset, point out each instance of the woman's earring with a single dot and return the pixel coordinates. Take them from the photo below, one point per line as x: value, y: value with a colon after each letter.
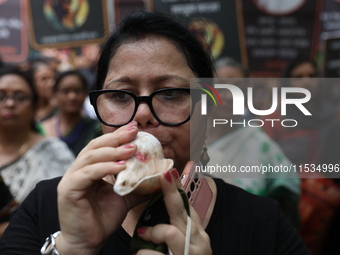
x: 204, y: 156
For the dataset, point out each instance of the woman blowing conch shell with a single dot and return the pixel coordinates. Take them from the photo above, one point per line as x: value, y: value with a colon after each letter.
x: 142, y: 172
x: 143, y: 84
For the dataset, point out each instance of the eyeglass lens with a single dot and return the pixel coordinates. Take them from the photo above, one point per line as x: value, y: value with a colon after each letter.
x: 169, y: 106
x: 17, y: 98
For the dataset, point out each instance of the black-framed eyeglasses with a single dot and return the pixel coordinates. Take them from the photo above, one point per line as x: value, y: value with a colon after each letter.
x: 18, y: 98
x: 170, y: 106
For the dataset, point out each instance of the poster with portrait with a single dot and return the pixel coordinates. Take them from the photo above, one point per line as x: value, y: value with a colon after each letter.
x: 278, y: 31
x: 13, y: 31
x: 67, y: 23
x: 215, y: 23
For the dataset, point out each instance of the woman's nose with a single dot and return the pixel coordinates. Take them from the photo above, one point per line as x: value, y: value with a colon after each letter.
x: 9, y: 101
x: 144, y: 116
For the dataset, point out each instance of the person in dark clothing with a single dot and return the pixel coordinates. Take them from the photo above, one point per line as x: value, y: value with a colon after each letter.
x: 8, y: 206
x: 149, y: 58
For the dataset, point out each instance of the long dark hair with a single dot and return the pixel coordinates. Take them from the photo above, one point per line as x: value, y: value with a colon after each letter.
x: 142, y: 24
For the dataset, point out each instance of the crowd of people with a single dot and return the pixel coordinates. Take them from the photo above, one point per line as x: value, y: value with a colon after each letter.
x: 43, y: 126
x: 54, y: 153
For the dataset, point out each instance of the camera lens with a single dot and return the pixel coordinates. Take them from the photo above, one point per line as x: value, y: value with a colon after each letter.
x: 192, y: 186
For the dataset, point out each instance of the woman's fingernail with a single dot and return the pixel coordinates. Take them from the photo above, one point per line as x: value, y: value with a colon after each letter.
x: 128, y: 146
x: 132, y: 123
x: 168, y: 176
x: 175, y: 173
x: 141, y: 231
x: 132, y: 127
x: 121, y: 162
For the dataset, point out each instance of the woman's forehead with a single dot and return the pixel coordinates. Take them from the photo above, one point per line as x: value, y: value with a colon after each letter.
x: 13, y: 81
x: 149, y: 49
x: 150, y: 58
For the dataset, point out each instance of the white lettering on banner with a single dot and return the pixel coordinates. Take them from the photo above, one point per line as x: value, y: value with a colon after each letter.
x: 12, y: 23
x: 6, y: 25
x: 4, y: 33
x: 332, y: 64
x: 69, y: 37
x: 192, y: 8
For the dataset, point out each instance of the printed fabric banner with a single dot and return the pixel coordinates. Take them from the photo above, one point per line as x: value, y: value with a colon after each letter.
x: 330, y: 37
x: 330, y: 16
x: 67, y: 23
x: 278, y: 31
x: 13, y: 31
x: 215, y: 23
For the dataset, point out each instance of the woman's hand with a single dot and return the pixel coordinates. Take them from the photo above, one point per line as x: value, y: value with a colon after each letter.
x: 174, y: 235
x: 89, y: 210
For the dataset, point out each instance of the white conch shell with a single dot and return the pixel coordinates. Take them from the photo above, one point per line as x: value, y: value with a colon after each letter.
x: 142, y: 171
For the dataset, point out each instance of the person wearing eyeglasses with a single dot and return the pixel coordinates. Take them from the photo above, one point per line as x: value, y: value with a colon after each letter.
x: 70, y: 124
x: 143, y: 84
x: 26, y: 157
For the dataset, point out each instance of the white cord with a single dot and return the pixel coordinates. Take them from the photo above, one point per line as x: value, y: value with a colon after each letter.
x: 187, y: 238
